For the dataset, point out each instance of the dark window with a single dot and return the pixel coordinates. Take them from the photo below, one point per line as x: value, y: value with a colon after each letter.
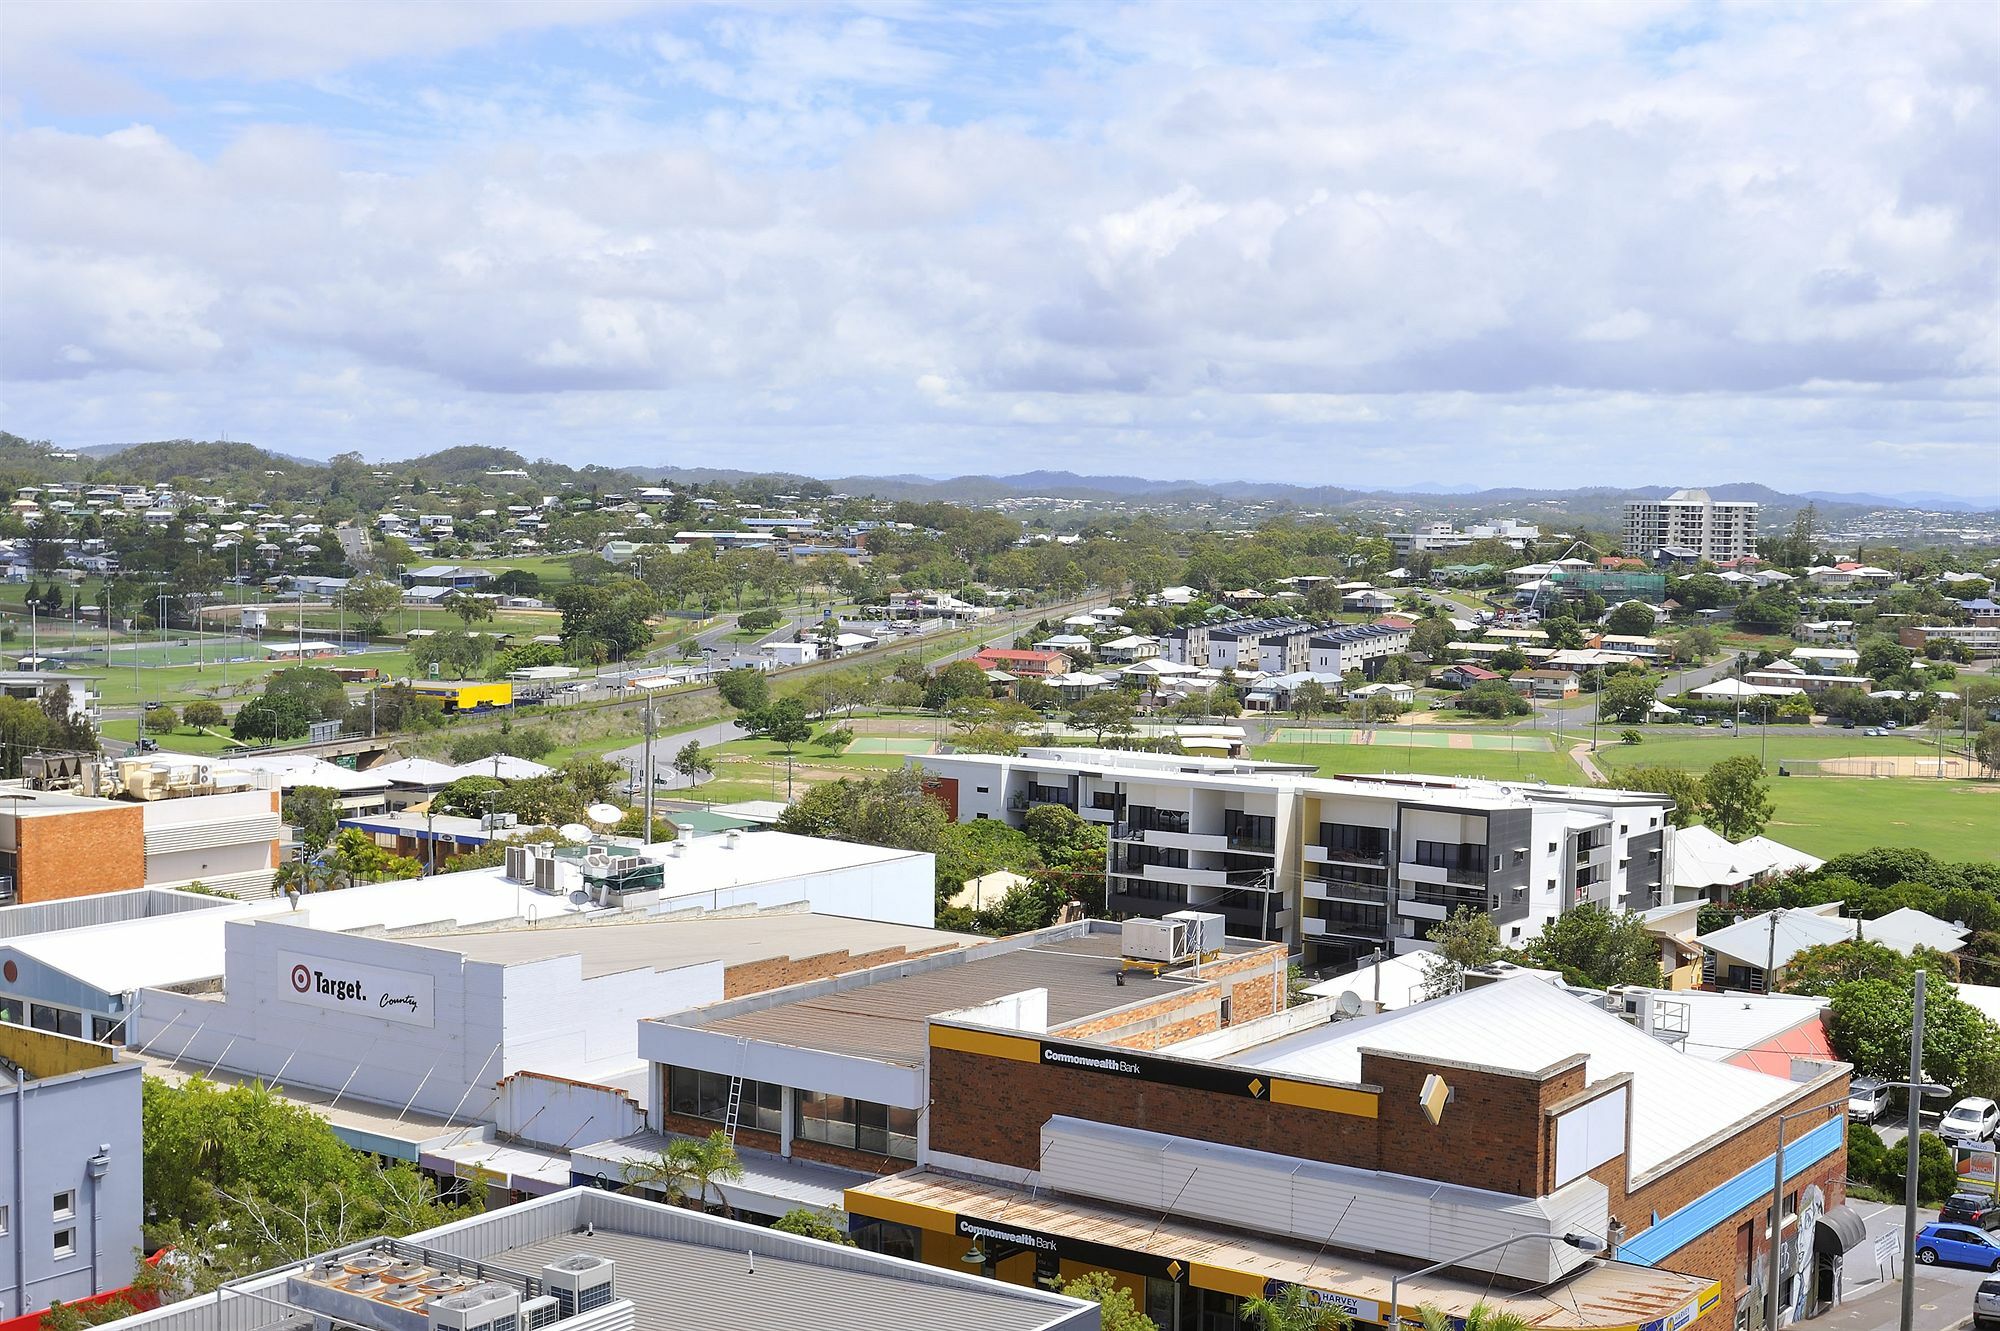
x: 694, y: 1093
x: 60, y: 1020
x: 890, y: 1239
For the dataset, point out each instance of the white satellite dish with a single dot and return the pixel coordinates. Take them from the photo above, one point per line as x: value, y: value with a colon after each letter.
x: 1349, y: 1003
x: 574, y: 833
x: 604, y: 813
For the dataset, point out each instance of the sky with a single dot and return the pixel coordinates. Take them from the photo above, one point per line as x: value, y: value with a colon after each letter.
x: 1641, y: 242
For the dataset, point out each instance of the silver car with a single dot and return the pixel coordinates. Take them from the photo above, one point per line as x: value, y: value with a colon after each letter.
x: 1986, y: 1305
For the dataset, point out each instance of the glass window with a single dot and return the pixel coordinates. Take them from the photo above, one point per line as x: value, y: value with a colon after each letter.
x: 3, y: 1220
x: 863, y: 1125
x: 64, y: 1204
x: 65, y: 1245
x: 60, y: 1020
x: 890, y: 1239
x: 695, y: 1093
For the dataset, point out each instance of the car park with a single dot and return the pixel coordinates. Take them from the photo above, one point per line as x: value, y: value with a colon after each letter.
x: 1867, y: 1100
x: 1958, y: 1245
x: 1970, y: 1208
x: 1972, y: 1119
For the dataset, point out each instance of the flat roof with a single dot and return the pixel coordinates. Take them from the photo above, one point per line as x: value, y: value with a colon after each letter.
x: 889, y: 1019
x: 634, y: 944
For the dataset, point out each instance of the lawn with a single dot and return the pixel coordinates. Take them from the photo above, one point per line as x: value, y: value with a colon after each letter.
x: 182, y: 740
x: 1826, y: 816
x: 1785, y: 744
x: 1388, y: 756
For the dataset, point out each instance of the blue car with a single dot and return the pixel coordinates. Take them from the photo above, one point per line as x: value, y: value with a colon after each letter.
x: 1958, y: 1245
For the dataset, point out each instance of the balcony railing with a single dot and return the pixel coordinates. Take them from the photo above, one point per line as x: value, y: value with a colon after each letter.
x: 1327, y: 888
x: 1438, y: 896
x: 1261, y: 845
x: 1368, y: 859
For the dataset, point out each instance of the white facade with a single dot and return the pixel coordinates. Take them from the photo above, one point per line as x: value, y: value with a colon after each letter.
x: 225, y: 842
x: 406, y: 1024
x: 1339, y: 865
x: 1715, y: 530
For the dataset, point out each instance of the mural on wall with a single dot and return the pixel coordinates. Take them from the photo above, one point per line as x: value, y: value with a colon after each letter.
x: 1812, y: 1205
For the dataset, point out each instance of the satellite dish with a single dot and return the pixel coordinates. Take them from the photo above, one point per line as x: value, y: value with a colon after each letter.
x: 574, y: 833
x: 1349, y: 1003
x: 604, y: 813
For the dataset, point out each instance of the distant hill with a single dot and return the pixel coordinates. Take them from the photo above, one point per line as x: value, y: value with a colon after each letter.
x: 229, y: 465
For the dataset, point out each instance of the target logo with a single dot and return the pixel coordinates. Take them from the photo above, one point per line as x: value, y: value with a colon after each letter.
x: 302, y: 978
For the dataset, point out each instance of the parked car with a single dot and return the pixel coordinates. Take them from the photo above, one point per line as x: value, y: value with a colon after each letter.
x: 1867, y: 1099
x: 1986, y: 1306
x: 1955, y: 1245
x: 1972, y: 1119
x: 1970, y: 1208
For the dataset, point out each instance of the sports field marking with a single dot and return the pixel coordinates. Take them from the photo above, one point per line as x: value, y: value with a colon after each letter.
x: 1418, y: 739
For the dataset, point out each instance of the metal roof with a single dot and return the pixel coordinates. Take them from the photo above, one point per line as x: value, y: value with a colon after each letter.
x: 888, y: 1020
x: 1525, y: 1025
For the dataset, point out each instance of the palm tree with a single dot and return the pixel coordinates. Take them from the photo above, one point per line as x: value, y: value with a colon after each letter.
x: 688, y: 1167
x: 1481, y: 1317
x: 1295, y: 1309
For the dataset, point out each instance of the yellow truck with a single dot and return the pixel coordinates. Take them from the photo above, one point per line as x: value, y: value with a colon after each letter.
x: 460, y: 696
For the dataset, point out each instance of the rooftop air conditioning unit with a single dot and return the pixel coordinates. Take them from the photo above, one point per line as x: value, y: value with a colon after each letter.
x: 480, y: 1308
x: 1166, y: 941
x: 518, y: 864
x: 1204, y: 929
x: 366, y: 1262
x: 579, y: 1283
x: 404, y: 1294
x: 539, y: 1312
x: 545, y: 873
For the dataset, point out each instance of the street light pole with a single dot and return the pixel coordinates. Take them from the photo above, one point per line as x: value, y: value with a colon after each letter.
x: 1584, y: 1242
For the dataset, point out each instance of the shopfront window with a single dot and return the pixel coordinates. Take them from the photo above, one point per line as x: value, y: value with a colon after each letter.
x: 858, y: 1125
x: 890, y: 1239
x: 694, y: 1093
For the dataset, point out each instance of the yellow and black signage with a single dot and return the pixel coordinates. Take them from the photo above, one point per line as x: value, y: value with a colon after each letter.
x: 1130, y: 1065
x: 1002, y: 1240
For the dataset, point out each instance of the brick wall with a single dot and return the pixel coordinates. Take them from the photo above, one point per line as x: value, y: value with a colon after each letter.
x: 994, y: 1108
x: 79, y: 853
x: 1493, y: 1134
x: 1253, y: 982
x: 756, y: 977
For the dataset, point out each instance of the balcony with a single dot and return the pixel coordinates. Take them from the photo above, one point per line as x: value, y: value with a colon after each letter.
x: 1376, y: 859
x: 1459, y: 875
x: 1181, y: 840
x: 1252, y: 845
x: 1321, y: 889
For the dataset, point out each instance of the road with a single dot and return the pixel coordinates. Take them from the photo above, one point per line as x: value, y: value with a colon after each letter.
x: 1944, y: 1293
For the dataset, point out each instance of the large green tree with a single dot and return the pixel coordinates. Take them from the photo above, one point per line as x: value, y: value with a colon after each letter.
x: 1596, y: 947
x: 1736, y: 798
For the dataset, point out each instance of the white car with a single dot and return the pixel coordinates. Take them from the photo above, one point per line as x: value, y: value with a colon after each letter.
x: 1986, y: 1306
x: 1866, y: 1099
x: 1972, y: 1119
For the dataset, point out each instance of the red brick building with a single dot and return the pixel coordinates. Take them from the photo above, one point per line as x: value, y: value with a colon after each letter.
x: 1338, y: 1155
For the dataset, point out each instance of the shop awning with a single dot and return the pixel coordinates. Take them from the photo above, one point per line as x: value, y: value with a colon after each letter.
x: 1840, y: 1230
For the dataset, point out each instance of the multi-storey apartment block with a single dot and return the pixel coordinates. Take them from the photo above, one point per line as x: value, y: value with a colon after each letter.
x: 1337, y: 866
x: 1711, y: 529
x: 1275, y: 646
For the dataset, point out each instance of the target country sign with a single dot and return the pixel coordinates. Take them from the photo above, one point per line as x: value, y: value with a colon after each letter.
x: 345, y: 986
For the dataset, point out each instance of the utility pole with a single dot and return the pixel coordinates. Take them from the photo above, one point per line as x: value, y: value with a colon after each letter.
x: 1915, y: 1091
x: 647, y: 835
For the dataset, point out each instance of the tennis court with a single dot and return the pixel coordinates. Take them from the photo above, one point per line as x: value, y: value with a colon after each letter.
x: 1419, y: 739
x: 890, y: 744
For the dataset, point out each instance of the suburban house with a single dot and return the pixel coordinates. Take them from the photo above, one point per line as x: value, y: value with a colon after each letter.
x: 1024, y: 664
x: 1463, y: 676
x: 1544, y: 683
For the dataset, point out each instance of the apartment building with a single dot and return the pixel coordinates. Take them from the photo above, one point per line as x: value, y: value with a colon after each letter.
x: 1334, y: 866
x: 1360, y: 647
x: 1690, y: 521
x: 1278, y: 646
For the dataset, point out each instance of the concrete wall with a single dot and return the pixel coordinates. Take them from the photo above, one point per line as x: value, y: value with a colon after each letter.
x: 50, y: 1129
x: 487, y: 1020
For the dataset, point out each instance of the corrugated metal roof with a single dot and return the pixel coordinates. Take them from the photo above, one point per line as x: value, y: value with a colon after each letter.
x: 1525, y: 1025
x: 679, y: 1286
x: 1599, y: 1295
x: 886, y: 1021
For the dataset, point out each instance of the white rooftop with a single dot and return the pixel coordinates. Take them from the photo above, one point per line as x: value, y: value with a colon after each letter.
x: 1703, y: 859
x: 1908, y: 929
x: 1524, y: 1025
x: 1775, y: 937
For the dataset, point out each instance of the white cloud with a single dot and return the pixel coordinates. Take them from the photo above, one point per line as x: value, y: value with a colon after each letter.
x: 942, y: 240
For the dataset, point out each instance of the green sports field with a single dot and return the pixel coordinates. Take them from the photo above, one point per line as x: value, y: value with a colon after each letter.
x: 1698, y: 755
x: 1825, y: 816
x: 1526, y: 763
x: 1400, y: 737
